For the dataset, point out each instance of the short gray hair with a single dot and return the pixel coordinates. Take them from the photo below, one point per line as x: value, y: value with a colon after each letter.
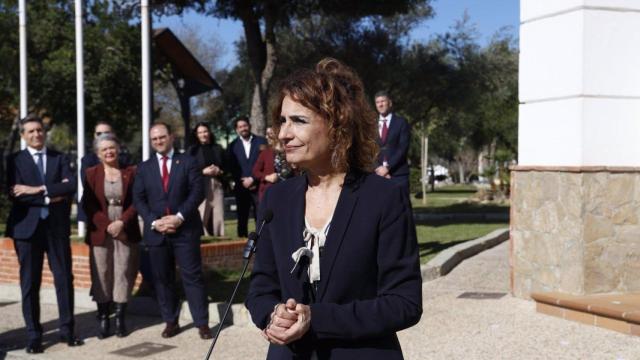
x: 105, y: 137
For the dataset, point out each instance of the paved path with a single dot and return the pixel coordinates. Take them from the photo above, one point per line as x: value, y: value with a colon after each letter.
x: 451, y: 328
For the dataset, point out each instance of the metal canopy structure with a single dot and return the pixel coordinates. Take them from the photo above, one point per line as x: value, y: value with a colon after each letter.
x: 189, y: 77
x: 169, y: 48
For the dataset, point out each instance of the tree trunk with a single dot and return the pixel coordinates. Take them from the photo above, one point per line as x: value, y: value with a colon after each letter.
x: 425, y: 167
x: 259, y: 103
x: 258, y: 117
x: 433, y: 178
x: 262, y: 57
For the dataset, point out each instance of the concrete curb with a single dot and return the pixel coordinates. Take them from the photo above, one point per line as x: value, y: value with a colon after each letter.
x: 422, y: 217
x: 448, y: 259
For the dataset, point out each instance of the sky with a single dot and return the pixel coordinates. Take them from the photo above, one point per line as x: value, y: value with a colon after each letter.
x: 488, y: 16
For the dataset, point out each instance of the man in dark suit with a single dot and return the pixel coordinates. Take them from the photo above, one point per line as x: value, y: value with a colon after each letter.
x: 166, y: 192
x: 243, y: 154
x: 41, y: 185
x: 394, y: 136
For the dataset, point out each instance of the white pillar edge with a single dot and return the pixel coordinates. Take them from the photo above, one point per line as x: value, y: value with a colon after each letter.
x: 79, y: 104
x: 146, y: 76
x: 22, y: 21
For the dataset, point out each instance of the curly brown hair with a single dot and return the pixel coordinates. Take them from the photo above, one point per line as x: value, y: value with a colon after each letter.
x: 335, y: 92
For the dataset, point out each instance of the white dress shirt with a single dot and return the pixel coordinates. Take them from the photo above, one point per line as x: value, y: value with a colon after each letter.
x: 34, y: 156
x: 247, y: 145
x: 169, y: 161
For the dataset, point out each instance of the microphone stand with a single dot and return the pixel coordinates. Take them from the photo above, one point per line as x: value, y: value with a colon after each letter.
x: 249, y: 249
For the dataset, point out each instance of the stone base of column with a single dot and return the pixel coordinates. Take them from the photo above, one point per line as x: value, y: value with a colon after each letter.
x: 575, y: 230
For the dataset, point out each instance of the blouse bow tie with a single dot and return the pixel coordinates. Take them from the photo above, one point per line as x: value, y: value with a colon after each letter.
x: 314, y: 240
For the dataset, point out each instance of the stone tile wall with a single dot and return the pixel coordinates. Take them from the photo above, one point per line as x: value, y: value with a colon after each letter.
x: 575, y: 231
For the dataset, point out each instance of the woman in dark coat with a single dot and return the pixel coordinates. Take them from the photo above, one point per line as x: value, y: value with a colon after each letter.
x: 337, y: 272
x: 113, y: 233
x: 210, y: 157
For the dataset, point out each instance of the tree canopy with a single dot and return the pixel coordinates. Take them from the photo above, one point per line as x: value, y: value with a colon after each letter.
x: 111, y: 56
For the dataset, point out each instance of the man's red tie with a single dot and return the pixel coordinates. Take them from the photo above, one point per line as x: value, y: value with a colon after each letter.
x: 165, y: 174
x: 385, y: 131
x: 165, y: 180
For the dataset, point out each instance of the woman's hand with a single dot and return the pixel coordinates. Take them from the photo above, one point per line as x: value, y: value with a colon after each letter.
x: 289, y: 322
x: 272, y: 178
x: 211, y: 170
x: 115, y: 228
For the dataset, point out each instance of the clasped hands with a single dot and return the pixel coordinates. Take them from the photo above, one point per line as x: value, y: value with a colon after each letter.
x: 289, y: 322
x: 168, y: 224
x: 247, y: 182
x: 383, y: 171
x: 115, y: 228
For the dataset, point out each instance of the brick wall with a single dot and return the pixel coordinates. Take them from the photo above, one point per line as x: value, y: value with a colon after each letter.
x: 227, y: 255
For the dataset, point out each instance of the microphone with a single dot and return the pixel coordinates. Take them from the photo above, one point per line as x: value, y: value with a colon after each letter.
x: 249, y: 249
x: 252, y: 240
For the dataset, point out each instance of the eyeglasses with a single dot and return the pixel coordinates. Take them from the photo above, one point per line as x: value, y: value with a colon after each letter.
x: 98, y: 133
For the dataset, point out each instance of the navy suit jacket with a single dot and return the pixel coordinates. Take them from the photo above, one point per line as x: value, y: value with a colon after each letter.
x: 25, y: 211
x: 370, y: 285
x: 185, y: 194
x: 241, y: 166
x: 396, y: 146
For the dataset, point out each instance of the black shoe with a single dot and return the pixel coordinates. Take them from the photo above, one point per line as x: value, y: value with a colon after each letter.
x: 34, y: 347
x: 103, y: 320
x: 121, y: 328
x: 71, y: 340
x: 171, y: 329
x: 204, y: 332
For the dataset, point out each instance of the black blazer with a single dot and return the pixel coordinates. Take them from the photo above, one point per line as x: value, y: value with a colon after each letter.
x: 370, y: 285
x: 241, y: 166
x: 25, y: 211
x: 396, y: 148
x: 218, y: 156
x: 185, y: 194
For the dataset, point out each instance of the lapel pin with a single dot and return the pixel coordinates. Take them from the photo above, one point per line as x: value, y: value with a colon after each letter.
x: 177, y: 162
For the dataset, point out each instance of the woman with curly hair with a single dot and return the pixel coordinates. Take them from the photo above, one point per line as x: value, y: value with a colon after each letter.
x: 337, y: 271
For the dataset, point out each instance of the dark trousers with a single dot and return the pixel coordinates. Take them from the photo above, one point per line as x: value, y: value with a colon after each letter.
x: 163, y: 267
x: 30, y: 257
x: 245, y: 201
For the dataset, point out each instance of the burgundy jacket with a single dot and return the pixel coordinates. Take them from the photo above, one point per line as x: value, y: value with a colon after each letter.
x: 264, y: 166
x: 94, y: 204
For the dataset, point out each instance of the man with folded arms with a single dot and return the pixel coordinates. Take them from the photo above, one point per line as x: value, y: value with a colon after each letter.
x: 41, y: 184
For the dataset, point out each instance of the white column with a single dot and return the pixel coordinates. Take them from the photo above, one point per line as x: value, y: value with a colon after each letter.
x: 579, y: 83
x: 79, y: 103
x: 146, y: 76
x: 22, y: 25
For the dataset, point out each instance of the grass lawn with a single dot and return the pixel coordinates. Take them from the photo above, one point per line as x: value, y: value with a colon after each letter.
x: 454, y: 199
x: 434, y: 238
